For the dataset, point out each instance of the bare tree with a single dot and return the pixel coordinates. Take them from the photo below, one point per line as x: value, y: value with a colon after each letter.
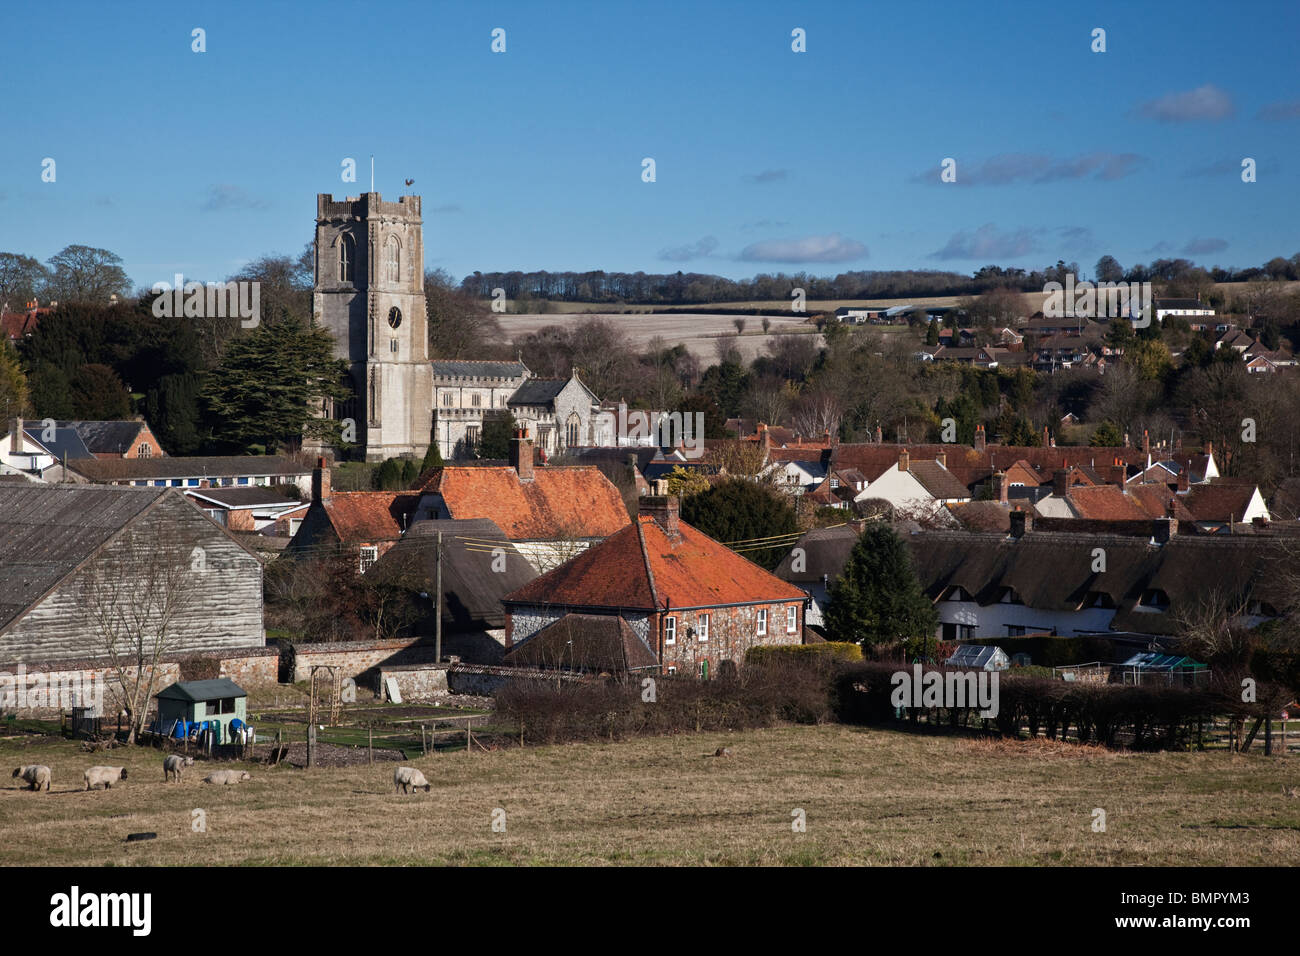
x: 817, y: 412
x: 136, y: 593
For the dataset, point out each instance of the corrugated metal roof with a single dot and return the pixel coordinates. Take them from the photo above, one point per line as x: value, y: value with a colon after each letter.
x: 47, y: 531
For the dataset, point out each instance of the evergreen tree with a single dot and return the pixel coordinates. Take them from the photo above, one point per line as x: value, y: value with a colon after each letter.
x: 1107, y: 435
x: 388, y: 476
x: 432, y: 457
x: 270, y: 383
x: 742, y: 510
x: 494, y: 441
x: 13, y: 384
x: 410, y: 472
x: 877, y: 598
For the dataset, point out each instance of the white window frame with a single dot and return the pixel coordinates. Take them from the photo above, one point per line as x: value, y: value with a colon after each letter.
x: 702, y: 628
x: 791, y: 619
x: 762, y: 622
x: 367, y: 551
x: 670, y: 630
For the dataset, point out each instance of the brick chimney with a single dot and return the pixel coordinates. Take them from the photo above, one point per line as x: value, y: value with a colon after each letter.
x: 1004, y: 486
x: 1184, y: 481
x: 1021, y: 522
x: 1061, y: 483
x: 904, y: 461
x: 320, y: 481
x: 15, y: 436
x: 521, y: 454
x: 1165, y: 528
x: 1146, y: 443
x: 663, y: 509
x: 979, y: 438
x: 880, y: 436
x: 1047, y: 438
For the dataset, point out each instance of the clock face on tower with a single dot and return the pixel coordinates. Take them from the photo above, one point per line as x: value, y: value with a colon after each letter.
x: 394, y: 317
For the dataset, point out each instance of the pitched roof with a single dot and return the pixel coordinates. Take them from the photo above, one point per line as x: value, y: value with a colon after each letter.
x: 196, y: 690
x: 1105, y: 503
x: 475, y: 368
x: 363, y: 516
x: 938, y: 480
x: 47, y: 531
x: 591, y: 642
x: 1220, y: 500
x: 479, y: 567
x: 824, y: 552
x: 64, y: 441
x: 982, y: 515
x: 106, y: 438
x: 560, y: 502
x: 159, y: 469
x: 642, y: 568
x: 537, y: 391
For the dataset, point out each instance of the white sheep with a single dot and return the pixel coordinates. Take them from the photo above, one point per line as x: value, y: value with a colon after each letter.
x: 228, y: 776
x: 408, y: 780
x: 173, y: 764
x: 37, y: 775
x: 103, y: 775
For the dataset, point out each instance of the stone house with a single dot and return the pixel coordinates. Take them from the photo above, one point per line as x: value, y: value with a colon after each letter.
x: 687, y: 603
x: 367, y: 523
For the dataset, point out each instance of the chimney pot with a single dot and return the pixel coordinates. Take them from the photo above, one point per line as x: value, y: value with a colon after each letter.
x: 904, y: 461
x: 1020, y: 523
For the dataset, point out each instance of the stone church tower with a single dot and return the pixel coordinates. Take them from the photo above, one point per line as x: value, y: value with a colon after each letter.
x: 369, y: 294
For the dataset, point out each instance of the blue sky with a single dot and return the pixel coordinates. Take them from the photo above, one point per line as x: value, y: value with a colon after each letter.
x: 766, y: 159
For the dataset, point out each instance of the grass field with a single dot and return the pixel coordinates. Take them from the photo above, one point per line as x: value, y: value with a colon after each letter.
x: 878, y: 797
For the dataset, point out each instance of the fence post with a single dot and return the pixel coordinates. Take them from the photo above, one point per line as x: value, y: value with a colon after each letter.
x: 311, y: 745
x: 370, y: 745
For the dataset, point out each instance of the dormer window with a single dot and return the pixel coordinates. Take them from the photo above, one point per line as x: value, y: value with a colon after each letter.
x: 1155, y: 599
x: 955, y: 593
x: 1009, y: 596
x: 1100, y: 599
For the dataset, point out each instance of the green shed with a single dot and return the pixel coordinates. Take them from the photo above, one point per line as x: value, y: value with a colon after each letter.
x: 212, y: 705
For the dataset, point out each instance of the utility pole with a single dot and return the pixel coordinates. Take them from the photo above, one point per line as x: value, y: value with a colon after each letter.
x: 437, y: 621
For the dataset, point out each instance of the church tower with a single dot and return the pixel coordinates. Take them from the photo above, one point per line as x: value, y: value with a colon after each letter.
x: 369, y: 294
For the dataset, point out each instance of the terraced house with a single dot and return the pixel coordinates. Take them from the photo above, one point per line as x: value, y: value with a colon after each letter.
x: 657, y: 595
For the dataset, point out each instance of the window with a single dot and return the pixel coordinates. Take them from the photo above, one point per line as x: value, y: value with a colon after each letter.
x: 835, y: 482
x: 393, y: 255
x: 345, y: 258
x: 294, y: 525
x: 791, y: 620
x: 476, y: 399
x: 392, y: 346
x: 762, y: 621
x: 702, y: 628
x: 571, y: 433
x: 446, y: 399
x: 958, y: 632
x: 1155, y: 599
x: 225, y: 705
x: 369, y: 555
x: 670, y: 630
x: 471, y: 437
x: 672, y: 669
x: 144, y: 451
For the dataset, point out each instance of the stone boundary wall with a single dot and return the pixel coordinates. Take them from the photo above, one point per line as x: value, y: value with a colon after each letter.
x: 357, y: 659
x: 49, y: 687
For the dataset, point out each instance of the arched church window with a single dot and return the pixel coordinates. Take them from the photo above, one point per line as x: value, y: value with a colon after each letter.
x: 393, y: 255
x: 346, y: 255
x: 571, y: 431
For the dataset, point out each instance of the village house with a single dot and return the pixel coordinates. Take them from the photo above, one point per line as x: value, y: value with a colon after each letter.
x: 250, y: 508
x: 363, y: 523
x: 916, y: 487
x: 657, y: 594
x: 550, y: 513
x: 67, y: 552
x: 477, y: 566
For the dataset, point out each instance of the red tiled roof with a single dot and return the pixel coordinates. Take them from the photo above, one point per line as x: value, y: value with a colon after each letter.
x: 362, y: 516
x: 970, y: 466
x: 1220, y: 500
x: 575, y: 501
x: 641, y: 567
x: 1105, y: 503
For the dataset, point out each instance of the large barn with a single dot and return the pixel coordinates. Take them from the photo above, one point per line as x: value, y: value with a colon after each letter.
x: 75, y: 557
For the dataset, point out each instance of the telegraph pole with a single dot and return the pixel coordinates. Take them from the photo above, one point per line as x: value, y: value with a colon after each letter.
x: 437, y: 621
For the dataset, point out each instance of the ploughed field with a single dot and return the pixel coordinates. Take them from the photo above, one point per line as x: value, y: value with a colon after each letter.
x: 868, y: 796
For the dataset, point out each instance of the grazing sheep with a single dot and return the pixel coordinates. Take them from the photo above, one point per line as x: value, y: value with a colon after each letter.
x: 173, y: 765
x: 408, y: 780
x: 228, y: 776
x: 37, y: 775
x: 103, y: 775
